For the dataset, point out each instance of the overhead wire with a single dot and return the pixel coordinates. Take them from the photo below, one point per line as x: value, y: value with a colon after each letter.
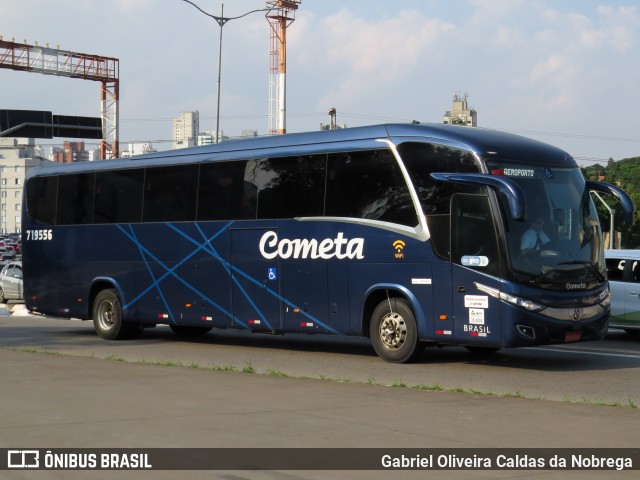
x: 387, y: 118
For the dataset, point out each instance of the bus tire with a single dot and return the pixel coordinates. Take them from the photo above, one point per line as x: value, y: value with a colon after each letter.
x: 107, y: 316
x: 393, y: 331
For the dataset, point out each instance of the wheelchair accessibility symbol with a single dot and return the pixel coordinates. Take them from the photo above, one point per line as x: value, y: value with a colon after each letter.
x: 272, y: 273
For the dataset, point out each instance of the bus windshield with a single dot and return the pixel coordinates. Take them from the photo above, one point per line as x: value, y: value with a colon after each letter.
x: 560, y: 245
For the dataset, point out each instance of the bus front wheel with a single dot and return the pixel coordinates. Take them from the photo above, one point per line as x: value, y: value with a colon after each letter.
x: 107, y: 316
x: 393, y: 331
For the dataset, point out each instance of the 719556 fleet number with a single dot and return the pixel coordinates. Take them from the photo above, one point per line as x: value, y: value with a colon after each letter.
x: 39, y: 234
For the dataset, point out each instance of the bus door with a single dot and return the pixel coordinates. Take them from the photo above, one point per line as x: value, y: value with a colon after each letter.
x: 255, y: 283
x: 206, y: 295
x: 305, y: 290
x: 474, y: 250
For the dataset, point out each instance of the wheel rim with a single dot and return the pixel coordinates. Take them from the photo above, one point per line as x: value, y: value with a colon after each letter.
x: 106, y: 314
x: 393, y: 331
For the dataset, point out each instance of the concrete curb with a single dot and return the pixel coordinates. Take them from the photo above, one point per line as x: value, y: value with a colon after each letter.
x: 18, y: 310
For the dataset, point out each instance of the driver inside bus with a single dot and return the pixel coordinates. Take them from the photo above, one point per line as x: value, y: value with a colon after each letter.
x: 534, y: 239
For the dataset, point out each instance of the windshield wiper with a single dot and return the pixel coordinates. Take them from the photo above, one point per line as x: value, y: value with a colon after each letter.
x: 586, y: 263
x: 537, y: 278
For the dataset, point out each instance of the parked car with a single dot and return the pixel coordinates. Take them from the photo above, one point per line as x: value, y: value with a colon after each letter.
x: 11, y: 282
x: 623, y: 270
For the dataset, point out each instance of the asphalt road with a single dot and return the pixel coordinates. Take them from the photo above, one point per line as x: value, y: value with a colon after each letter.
x: 62, y: 386
x: 597, y: 372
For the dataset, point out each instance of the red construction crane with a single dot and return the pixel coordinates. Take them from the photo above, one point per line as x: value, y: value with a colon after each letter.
x: 53, y: 61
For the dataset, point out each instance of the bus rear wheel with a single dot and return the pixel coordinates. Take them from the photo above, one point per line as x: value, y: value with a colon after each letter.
x: 393, y: 331
x: 107, y: 317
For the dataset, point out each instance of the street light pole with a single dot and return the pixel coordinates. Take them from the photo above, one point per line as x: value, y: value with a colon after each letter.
x: 221, y: 21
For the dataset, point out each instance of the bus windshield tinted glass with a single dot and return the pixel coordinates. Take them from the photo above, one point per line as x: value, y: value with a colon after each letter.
x: 560, y: 245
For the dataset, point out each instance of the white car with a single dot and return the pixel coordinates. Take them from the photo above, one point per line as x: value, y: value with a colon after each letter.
x: 623, y: 270
x: 11, y: 282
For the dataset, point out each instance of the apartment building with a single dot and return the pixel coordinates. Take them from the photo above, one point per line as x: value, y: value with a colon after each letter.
x: 17, y: 156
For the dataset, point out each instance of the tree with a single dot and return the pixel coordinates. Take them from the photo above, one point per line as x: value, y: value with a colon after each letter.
x: 626, y: 174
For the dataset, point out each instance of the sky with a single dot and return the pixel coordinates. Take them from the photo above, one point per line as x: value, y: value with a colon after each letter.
x: 565, y: 72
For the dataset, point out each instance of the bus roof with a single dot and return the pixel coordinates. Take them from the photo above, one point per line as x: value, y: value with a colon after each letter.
x: 485, y: 143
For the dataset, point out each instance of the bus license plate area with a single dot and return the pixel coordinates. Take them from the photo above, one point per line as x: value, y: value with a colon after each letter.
x: 570, y: 337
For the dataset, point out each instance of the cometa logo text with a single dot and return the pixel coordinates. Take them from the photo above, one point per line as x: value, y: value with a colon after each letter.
x: 339, y: 247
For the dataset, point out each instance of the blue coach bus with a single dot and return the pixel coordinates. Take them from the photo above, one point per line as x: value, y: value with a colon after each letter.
x: 411, y: 235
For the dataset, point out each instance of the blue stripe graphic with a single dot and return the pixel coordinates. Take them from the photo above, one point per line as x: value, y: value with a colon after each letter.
x: 170, y: 271
x: 233, y: 272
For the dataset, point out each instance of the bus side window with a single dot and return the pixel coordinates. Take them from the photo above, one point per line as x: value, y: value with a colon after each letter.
x: 368, y: 184
x: 118, y: 196
x: 170, y: 194
x: 41, y: 199
x: 290, y: 187
x: 75, y: 199
x: 223, y: 192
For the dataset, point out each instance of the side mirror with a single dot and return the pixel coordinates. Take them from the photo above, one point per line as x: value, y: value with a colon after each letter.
x: 511, y: 190
x: 619, y: 194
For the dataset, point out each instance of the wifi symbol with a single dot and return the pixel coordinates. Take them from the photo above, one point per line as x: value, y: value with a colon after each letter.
x: 398, y: 245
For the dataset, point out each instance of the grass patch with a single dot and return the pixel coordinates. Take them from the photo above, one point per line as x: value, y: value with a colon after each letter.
x: 161, y: 363
x: 26, y: 349
x: 601, y: 403
x: 480, y: 392
x: 248, y: 368
x: 432, y: 388
x: 516, y: 394
x: 31, y: 350
x: 398, y: 384
x: 114, y: 358
x: 223, y: 368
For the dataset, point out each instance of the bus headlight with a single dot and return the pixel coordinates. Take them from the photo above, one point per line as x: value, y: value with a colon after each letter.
x: 521, y: 302
x: 512, y: 299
